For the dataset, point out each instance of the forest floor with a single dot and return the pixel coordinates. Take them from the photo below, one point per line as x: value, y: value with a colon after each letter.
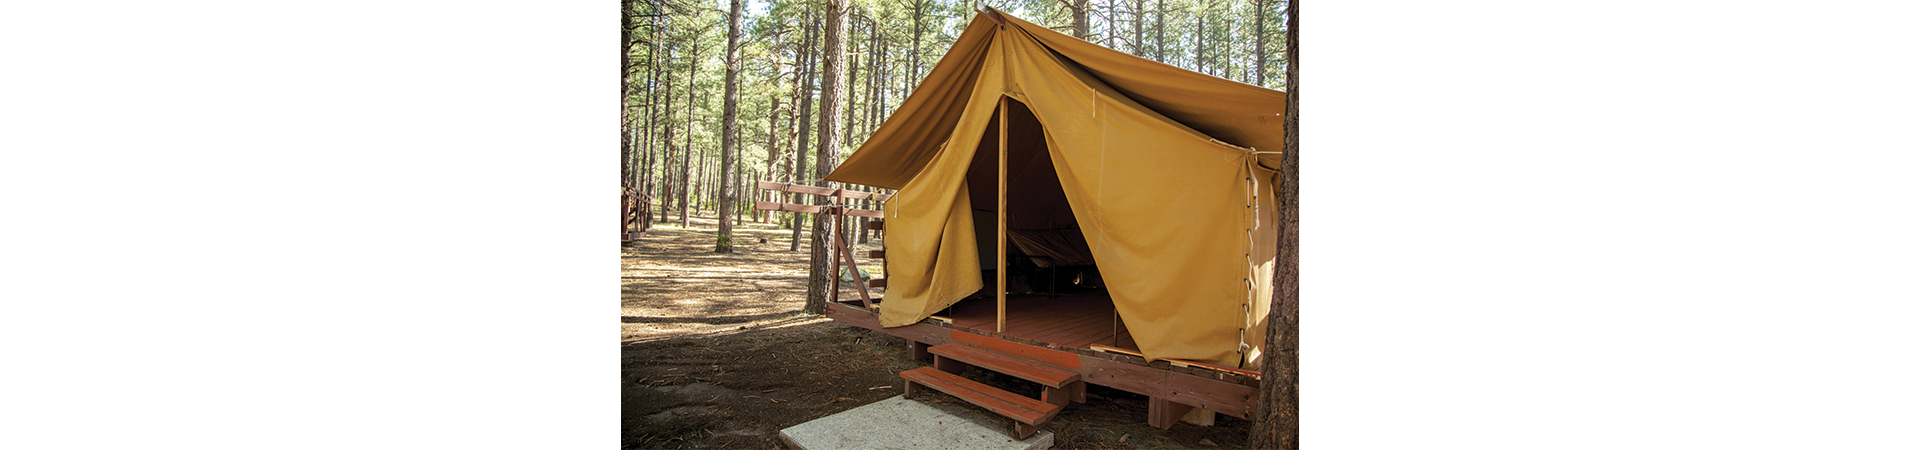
x: 715, y: 353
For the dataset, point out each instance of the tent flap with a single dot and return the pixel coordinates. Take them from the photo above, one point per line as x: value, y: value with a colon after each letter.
x: 1152, y: 160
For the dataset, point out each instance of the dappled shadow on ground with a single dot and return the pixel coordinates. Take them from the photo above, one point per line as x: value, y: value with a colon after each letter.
x: 715, y: 354
x: 738, y: 389
x: 707, y: 320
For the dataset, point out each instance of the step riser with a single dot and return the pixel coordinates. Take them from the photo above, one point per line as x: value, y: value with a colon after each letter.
x: 1020, y: 429
x: 1028, y: 415
x: 1029, y: 370
x: 1075, y: 391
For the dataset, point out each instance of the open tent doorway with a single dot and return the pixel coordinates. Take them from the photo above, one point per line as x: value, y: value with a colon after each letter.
x: 1054, y: 289
x: 1167, y: 177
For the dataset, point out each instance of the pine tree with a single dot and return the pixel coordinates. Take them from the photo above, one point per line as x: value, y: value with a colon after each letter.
x: 723, y: 239
x: 833, y: 83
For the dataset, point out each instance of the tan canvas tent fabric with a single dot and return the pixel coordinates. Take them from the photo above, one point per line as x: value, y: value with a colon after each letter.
x: 1165, y: 172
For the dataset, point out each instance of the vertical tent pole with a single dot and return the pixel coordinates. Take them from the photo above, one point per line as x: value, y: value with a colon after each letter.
x: 1001, y: 254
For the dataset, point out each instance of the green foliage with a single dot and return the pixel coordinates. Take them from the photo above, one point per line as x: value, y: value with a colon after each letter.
x: 678, y: 46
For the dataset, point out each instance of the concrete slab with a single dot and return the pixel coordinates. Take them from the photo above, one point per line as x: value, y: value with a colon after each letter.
x: 899, y: 423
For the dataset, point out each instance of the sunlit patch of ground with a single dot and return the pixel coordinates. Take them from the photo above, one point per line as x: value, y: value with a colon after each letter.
x: 673, y: 284
x: 715, y: 354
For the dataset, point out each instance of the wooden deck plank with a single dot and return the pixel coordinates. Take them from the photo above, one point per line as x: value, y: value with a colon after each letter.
x: 920, y: 332
x: 1046, y: 356
x: 998, y: 362
x: 1078, y: 327
x: 1014, y: 406
x: 1221, y: 391
x: 1044, y: 330
x: 1225, y: 398
x: 1030, y: 305
x: 1036, y: 313
x: 1073, y: 320
x: 1089, y: 340
x: 1214, y: 367
x: 1089, y: 325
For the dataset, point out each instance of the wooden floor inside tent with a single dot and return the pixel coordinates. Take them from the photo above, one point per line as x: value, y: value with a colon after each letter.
x: 1069, y: 320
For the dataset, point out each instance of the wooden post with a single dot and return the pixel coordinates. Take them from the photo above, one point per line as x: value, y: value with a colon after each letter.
x: 1000, y: 293
x: 1162, y: 413
x: 853, y: 267
x: 833, y: 268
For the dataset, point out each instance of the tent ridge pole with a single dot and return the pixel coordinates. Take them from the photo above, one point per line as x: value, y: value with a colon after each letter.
x: 1000, y: 293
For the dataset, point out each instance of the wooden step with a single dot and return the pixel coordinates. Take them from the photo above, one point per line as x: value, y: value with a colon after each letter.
x: 1050, y: 376
x: 1029, y: 414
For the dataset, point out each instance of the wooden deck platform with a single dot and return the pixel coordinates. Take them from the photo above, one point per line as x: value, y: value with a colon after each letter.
x: 1069, y: 320
x: 1069, y: 332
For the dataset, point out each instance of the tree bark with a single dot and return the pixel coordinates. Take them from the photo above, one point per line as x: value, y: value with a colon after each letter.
x: 1080, y: 19
x: 653, y: 121
x: 804, y: 124
x: 1260, y: 43
x: 701, y: 191
x: 729, y: 142
x: 1200, y: 43
x: 833, y: 83
x: 919, y: 14
x: 1139, y: 29
x: 853, y: 69
x: 1276, y: 416
x: 1112, y: 31
x: 666, y: 147
x: 868, y: 118
x: 629, y: 120
x: 686, y: 158
x: 1160, y: 31
x: 773, y: 144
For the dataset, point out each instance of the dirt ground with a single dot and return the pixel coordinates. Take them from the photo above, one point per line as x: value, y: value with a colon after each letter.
x: 715, y: 353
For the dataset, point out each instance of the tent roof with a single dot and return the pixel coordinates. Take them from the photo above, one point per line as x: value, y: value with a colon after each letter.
x: 1231, y: 112
x: 1155, y: 169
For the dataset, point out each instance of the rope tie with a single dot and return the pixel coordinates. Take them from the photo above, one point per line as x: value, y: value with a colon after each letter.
x: 1253, y: 221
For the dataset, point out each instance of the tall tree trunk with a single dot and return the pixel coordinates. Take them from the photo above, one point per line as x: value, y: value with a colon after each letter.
x: 686, y: 162
x: 661, y: 95
x: 853, y: 67
x: 629, y: 120
x: 653, y: 121
x: 1160, y: 31
x: 773, y: 146
x: 686, y: 159
x: 1200, y: 43
x: 872, y: 120
x: 1139, y: 29
x: 919, y: 15
x: 708, y: 189
x: 1110, y: 29
x: 1276, y: 414
x: 723, y: 239
x: 1260, y: 43
x: 1080, y: 19
x: 833, y: 83
x: 666, y: 150
x: 793, y: 137
x: 803, y: 124
x: 887, y: 72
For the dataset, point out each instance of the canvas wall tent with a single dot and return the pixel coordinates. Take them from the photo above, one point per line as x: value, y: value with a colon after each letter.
x: 1167, y: 174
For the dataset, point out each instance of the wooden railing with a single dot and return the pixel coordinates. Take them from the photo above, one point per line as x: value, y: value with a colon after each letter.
x: 837, y: 205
